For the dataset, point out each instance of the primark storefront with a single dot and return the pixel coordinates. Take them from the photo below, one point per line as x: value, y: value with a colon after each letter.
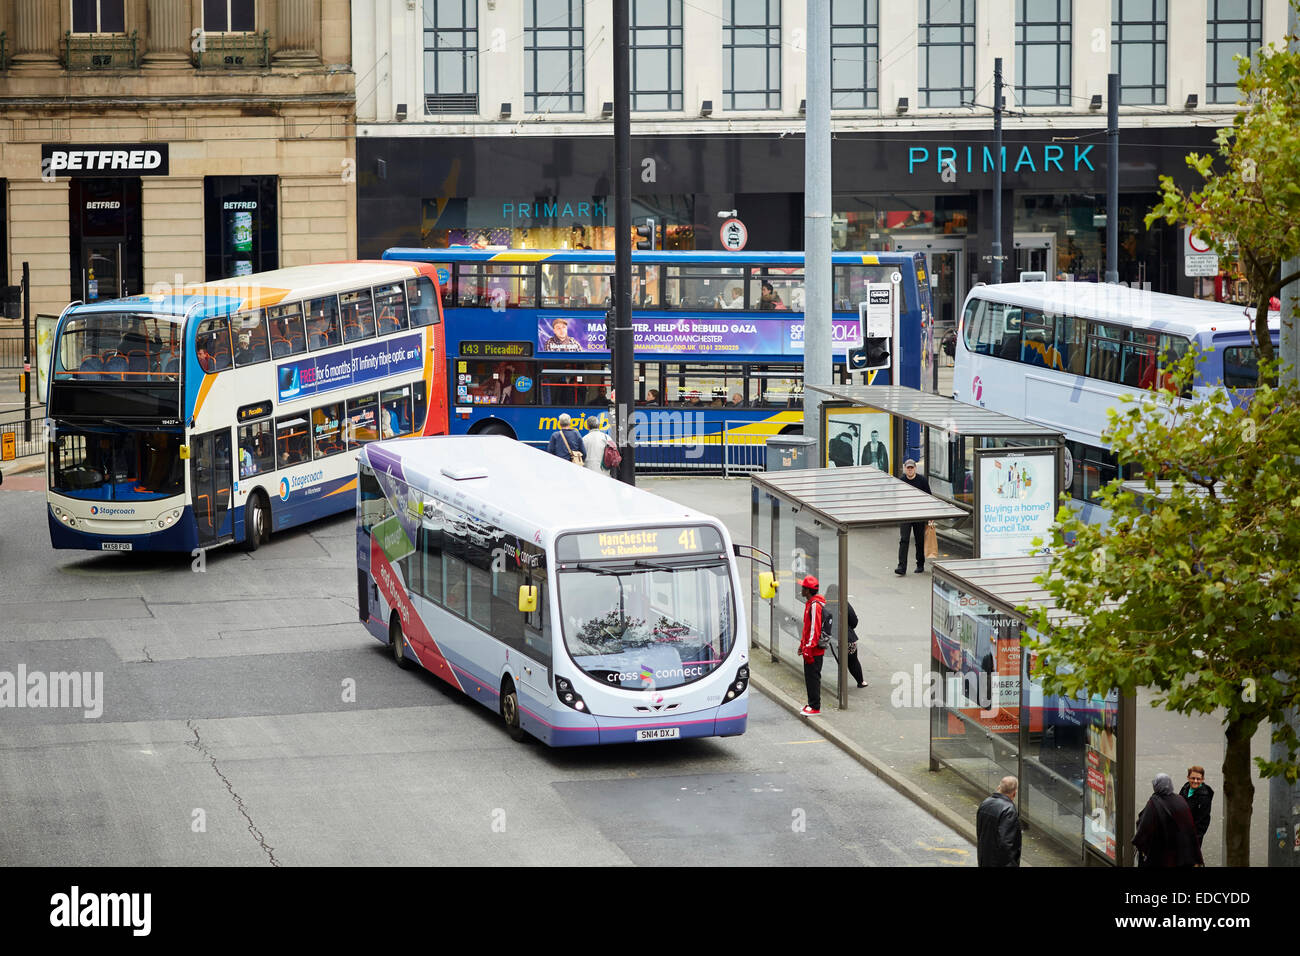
x: 895, y: 189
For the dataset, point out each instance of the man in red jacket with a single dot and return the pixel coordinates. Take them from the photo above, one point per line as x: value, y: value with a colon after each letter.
x: 813, y: 610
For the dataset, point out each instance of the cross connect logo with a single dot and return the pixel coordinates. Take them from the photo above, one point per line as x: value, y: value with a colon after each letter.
x: 284, y: 489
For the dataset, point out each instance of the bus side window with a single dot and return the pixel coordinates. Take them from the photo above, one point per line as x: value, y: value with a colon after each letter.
x: 292, y: 442
x: 431, y: 548
x: 390, y: 308
x: 972, y: 324
x: 420, y: 297
x: 358, y: 315
x: 214, y: 335
x: 419, y: 407
x: 323, y: 322
x: 373, y: 503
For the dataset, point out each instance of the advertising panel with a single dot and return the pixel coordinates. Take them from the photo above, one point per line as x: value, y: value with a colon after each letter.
x: 361, y: 363
x: 1015, y: 499
x: 565, y: 333
x: 859, y: 436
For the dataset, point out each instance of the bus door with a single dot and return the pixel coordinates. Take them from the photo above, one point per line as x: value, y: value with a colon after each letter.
x: 211, y: 475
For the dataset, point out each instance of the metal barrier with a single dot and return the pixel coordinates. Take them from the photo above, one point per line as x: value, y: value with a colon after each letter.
x: 744, y: 446
x: 11, y: 348
x: 20, y: 443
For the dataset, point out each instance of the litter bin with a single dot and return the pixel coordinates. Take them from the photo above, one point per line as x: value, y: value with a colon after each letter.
x: 791, y: 452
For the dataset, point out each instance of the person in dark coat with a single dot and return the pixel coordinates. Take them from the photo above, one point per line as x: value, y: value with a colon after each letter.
x: 1166, y: 833
x: 565, y: 440
x: 833, y: 606
x: 997, y: 826
x: 1199, y: 796
x: 916, y: 529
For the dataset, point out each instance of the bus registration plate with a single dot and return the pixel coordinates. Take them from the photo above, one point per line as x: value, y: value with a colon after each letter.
x: 115, y: 546
x: 658, y: 733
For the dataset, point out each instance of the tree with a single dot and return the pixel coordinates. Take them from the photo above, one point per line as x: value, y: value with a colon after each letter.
x: 1249, y: 205
x: 1194, y: 591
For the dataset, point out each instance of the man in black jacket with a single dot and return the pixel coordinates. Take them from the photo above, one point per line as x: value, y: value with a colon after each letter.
x: 997, y: 827
x: 916, y: 529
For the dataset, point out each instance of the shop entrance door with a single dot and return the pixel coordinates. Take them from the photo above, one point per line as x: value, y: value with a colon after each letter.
x: 104, y: 224
x: 944, y: 264
x: 211, y: 473
x: 1036, y: 252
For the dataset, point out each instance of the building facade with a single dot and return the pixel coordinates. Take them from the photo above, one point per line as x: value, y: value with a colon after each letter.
x: 489, y: 122
x: 152, y: 143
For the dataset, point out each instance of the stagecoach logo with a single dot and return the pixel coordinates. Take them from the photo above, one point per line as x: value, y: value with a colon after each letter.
x: 284, y: 489
x: 109, y: 512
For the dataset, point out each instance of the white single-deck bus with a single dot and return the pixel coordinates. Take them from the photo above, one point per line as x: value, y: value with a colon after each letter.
x: 235, y: 407
x: 1061, y: 353
x: 580, y: 609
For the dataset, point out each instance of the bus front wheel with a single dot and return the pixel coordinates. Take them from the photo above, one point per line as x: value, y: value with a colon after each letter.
x: 510, y: 710
x: 256, y: 522
x: 397, y: 643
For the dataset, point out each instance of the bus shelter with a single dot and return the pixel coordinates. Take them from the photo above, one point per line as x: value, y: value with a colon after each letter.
x: 1075, y: 757
x: 804, y: 519
x: 869, y: 424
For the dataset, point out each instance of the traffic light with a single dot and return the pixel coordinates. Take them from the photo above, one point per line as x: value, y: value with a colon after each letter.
x: 609, y: 328
x: 645, y: 235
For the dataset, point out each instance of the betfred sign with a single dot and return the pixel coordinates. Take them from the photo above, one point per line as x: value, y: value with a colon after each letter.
x: 118, y: 159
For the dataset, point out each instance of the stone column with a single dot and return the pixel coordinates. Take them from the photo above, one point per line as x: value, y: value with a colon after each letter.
x: 168, y: 37
x: 36, y: 35
x: 295, y: 41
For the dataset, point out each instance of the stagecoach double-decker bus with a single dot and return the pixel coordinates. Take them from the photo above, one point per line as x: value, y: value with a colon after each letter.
x: 718, y: 341
x: 222, y: 411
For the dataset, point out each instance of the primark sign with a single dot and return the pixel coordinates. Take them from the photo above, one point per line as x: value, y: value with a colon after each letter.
x: 107, y: 160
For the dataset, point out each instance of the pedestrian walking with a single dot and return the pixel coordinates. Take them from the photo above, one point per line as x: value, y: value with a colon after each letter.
x: 566, y: 442
x: 1199, y: 796
x: 914, y: 528
x: 997, y: 826
x: 1166, y: 833
x: 810, y: 645
x: 833, y: 603
x: 593, y: 446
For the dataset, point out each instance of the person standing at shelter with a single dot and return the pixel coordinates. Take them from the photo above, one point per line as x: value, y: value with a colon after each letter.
x: 914, y: 528
x: 1166, y: 833
x: 997, y: 826
x: 593, y: 445
x: 566, y: 442
x: 810, y: 648
x: 833, y: 603
x: 1199, y: 796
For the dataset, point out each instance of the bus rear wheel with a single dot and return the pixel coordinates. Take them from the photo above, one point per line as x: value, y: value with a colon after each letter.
x: 256, y: 522
x: 397, y: 643
x: 495, y: 428
x: 510, y: 710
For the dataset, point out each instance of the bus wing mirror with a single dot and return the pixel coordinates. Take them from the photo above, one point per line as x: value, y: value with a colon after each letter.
x: 766, y: 585
x: 185, y: 452
x: 528, y: 598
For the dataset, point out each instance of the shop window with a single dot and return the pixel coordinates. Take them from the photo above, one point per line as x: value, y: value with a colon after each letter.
x: 358, y: 313
x: 946, y: 52
x: 1138, y: 49
x: 656, y: 55
x: 553, y: 56
x: 323, y: 322
x: 250, y: 341
x: 855, y: 54
x: 327, y: 429
x: 292, y: 441
x: 751, y: 55
x: 241, y: 235
x: 286, y: 330
x: 228, y: 16
x: 98, y: 16
x: 256, y: 449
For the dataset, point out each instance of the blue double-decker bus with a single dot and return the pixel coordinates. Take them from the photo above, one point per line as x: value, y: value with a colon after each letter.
x: 719, y: 343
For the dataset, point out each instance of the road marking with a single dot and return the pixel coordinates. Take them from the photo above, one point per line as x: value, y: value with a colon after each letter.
x: 819, y: 740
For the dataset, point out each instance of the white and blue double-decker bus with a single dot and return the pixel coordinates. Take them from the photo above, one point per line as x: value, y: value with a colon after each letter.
x: 718, y: 342
x: 619, y: 621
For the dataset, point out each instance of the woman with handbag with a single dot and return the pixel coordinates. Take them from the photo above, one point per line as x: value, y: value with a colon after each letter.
x: 833, y: 605
x: 566, y: 442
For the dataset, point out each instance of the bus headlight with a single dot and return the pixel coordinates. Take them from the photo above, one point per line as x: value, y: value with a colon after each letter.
x: 738, y: 683
x: 568, y: 696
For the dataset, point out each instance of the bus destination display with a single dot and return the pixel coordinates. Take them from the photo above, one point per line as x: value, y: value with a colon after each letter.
x: 639, y: 543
